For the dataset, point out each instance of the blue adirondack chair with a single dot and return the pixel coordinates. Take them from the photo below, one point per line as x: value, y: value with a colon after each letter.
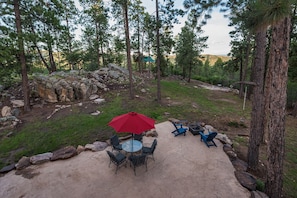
x: 208, y: 138
x: 179, y: 129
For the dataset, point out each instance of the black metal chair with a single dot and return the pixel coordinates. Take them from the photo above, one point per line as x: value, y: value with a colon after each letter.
x: 150, y: 150
x: 138, y: 160
x: 115, y: 142
x: 138, y: 137
x: 208, y: 139
x: 117, y: 159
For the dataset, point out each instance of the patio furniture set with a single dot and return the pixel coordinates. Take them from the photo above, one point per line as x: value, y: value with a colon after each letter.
x: 134, y: 151
x: 195, y: 129
x: 136, y: 124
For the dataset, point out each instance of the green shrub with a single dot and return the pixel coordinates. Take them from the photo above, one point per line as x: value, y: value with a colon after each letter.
x: 41, y: 70
x: 260, y: 185
x: 10, y: 79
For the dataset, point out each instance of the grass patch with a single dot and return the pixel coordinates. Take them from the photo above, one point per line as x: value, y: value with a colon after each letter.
x: 236, y: 124
x: 48, y: 136
x: 239, y: 141
x: 209, y: 102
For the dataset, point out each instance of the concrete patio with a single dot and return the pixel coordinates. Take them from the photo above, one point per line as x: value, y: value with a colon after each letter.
x: 183, y: 167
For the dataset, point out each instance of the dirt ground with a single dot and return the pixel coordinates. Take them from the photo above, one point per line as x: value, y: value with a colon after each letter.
x: 183, y: 167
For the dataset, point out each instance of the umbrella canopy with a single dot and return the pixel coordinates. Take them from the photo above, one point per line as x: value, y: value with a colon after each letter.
x: 148, y: 59
x: 132, y: 122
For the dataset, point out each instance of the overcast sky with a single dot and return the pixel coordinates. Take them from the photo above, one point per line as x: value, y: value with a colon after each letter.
x: 216, y: 29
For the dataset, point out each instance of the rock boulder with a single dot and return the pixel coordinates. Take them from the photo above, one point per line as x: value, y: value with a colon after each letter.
x: 70, y: 86
x: 41, y: 158
x: 239, y: 164
x: 96, y: 146
x: 246, y: 180
x: 258, y: 194
x: 23, y: 163
x: 6, y: 111
x: 8, y: 168
x: 64, y: 153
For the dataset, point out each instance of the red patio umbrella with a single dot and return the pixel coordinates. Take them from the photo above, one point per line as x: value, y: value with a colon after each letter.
x: 132, y: 122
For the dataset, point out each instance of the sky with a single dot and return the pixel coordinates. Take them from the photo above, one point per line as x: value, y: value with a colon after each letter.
x: 216, y: 29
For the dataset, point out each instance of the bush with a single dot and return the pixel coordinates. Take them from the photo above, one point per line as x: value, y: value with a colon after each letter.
x: 200, y: 78
x: 215, y: 80
x: 92, y: 66
x: 9, y: 79
x: 41, y: 70
x: 260, y: 185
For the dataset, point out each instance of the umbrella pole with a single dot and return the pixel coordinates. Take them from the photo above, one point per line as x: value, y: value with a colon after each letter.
x: 132, y: 142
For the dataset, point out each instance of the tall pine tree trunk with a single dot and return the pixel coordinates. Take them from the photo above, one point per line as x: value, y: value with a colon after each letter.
x: 102, y: 54
x: 69, y: 39
x: 51, y: 58
x: 245, y: 63
x: 257, y: 115
x: 158, y: 55
x: 128, y: 48
x: 139, y: 59
x: 241, y: 88
x: 190, y: 73
x: 25, y: 86
x: 97, y: 44
x: 276, y: 95
x: 100, y: 44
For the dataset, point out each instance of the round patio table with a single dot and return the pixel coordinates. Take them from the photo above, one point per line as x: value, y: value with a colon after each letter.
x: 132, y: 146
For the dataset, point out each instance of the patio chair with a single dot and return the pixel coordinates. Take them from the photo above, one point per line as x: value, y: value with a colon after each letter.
x: 117, y: 159
x: 150, y: 150
x: 179, y: 129
x: 138, y: 160
x: 114, y: 141
x: 209, y: 138
x: 138, y: 137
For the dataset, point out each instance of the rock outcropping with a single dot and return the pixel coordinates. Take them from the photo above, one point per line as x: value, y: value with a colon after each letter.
x: 78, y: 85
x: 62, y: 87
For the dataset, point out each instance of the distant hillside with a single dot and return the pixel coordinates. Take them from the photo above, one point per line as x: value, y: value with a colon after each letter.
x: 212, y: 58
